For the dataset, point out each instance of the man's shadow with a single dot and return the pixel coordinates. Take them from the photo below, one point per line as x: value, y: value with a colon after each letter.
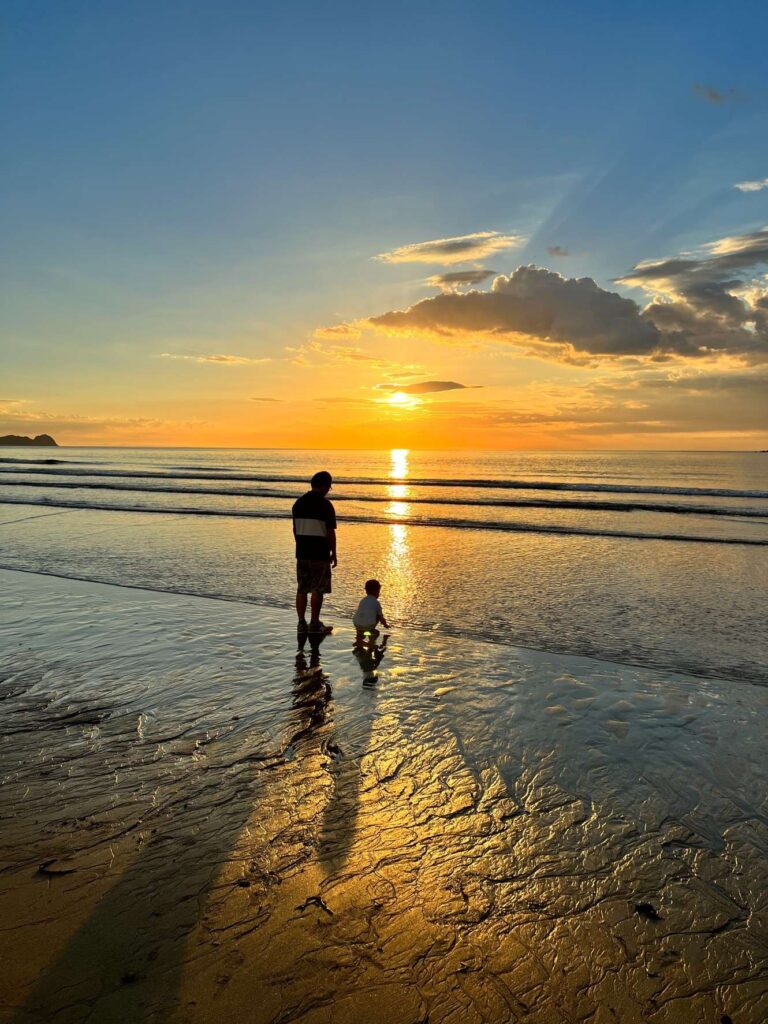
x: 125, y: 962
x: 339, y: 824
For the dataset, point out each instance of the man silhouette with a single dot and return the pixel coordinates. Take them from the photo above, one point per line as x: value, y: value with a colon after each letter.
x: 314, y: 529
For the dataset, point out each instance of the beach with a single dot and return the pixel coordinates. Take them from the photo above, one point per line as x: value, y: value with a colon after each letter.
x: 384, y: 514
x: 202, y: 821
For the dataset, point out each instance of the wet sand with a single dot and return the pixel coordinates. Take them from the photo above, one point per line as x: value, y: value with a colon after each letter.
x: 201, y: 823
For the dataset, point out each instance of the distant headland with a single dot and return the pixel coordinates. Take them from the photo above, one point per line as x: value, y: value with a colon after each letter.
x: 17, y: 441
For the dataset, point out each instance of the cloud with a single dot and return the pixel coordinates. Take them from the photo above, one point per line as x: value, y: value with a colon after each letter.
x: 538, y: 309
x: 352, y: 403
x: 456, y: 279
x: 338, y: 332
x: 692, y: 401
x: 688, y: 402
x: 220, y: 358
x: 712, y: 95
x: 447, y: 251
x: 314, y: 354
x: 718, y: 263
x: 557, y: 250
x: 54, y: 423
x: 426, y: 387
x: 305, y: 355
x: 258, y: 398
x: 701, y: 305
x: 707, y: 302
x: 752, y: 186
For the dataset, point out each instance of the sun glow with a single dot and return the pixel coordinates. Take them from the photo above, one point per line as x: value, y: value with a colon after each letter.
x: 401, y: 400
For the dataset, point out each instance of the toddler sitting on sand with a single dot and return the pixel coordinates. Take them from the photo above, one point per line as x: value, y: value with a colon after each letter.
x: 369, y: 612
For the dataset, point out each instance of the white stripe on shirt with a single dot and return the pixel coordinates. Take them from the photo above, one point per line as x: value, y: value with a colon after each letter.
x: 309, y: 528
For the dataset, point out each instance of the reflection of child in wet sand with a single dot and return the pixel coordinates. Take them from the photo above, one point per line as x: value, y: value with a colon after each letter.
x: 369, y: 613
x: 367, y: 617
x: 369, y: 654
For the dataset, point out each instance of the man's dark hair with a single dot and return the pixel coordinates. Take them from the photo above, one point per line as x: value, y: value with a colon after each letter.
x: 372, y: 587
x: 321, y: 479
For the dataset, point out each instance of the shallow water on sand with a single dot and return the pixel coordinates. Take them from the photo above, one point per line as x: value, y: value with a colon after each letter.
x: 657, y: 559
x: 675, y: 606
x: 203, y: 821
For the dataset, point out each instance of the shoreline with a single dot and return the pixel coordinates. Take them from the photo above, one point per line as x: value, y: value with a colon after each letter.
x: 411, y: 627
x: 209, y: 823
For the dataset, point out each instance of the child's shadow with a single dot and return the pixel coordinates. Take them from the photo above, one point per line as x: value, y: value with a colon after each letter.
x: 338, y: 829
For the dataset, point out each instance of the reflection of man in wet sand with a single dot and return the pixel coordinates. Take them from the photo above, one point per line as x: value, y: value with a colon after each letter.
x: 311, y: 689
x: 314, y: 527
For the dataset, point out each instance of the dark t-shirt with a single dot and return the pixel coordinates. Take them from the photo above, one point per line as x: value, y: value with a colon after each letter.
x: 313, y: 517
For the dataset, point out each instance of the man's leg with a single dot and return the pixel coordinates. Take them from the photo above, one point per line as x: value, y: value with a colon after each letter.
x: 301, y: 606
x: 316, y: 604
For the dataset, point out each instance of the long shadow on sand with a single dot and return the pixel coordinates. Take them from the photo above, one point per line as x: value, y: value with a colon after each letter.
x: 125, y: 963
x: 339, y: 824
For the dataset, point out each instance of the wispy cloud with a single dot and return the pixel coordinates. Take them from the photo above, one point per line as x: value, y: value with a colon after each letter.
x: 427, y: 387
x: 259, y: 398
x: 338, y: 332
x: 77, y: 424
x: 446, y: 251
x: 721, y: 263
x: 712, y: 95
x: 456, y: 279
x: 315, y: 351
x: 557, y: 251
x: 220, y: 358
x: 752, y: 186
x: 689, y: 401
x: 223, y: 359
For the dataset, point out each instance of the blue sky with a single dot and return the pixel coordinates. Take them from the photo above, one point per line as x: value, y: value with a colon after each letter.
x: 179, y: 176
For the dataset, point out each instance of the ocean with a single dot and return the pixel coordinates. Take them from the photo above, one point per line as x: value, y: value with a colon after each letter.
x: 657, y: 559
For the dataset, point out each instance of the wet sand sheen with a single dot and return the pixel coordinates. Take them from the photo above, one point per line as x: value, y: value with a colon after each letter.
x: 202, y: 823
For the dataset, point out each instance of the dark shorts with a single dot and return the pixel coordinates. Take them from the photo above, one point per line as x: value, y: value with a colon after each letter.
x: 313, y: 577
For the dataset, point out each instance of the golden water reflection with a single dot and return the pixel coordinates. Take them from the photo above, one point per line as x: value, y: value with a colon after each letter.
x: 398, y: 471
x: 399, y: 569
x: 399, y: 460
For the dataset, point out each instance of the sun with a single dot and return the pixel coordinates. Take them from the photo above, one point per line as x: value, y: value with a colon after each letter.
x: 402, y: 400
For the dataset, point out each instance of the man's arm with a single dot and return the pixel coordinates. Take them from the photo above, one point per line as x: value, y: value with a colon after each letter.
x: 332, y: 545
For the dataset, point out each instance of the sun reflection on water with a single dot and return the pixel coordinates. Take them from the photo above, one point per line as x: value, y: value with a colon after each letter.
x: 399, y: 460
x: 400, y: 571
x: 398, y: 471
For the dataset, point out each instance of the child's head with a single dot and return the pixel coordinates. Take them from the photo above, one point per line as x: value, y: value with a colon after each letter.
x: 372, y: 588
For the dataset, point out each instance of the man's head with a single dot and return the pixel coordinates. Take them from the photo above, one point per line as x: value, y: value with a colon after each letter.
x: 372, y: 588
x: 321, y: 482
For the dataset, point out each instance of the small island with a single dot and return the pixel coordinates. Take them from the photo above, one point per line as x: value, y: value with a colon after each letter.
x: 18, y: 441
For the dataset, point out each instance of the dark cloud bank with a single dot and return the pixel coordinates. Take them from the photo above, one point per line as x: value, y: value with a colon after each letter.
x: 700, y: 308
